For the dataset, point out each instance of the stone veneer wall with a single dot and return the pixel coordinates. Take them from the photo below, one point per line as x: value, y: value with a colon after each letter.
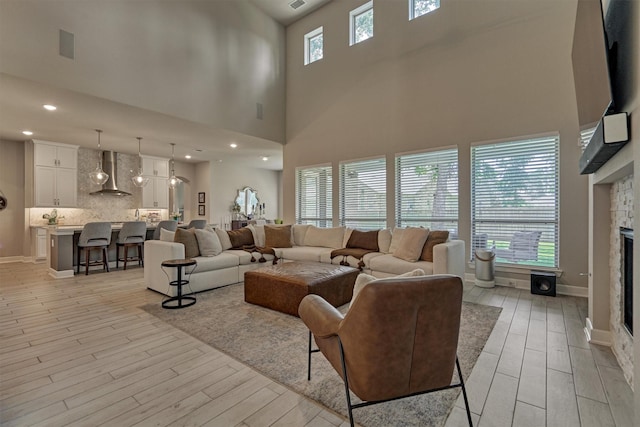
x: 621, y: 216
x: 97, y: 207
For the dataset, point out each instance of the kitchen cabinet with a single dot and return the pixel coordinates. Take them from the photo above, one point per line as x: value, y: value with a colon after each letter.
x: 155, y: 195
x: 41, y: 243
x: 55, y: 174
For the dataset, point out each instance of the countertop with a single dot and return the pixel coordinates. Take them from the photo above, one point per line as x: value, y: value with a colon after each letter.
x: 114, y: 226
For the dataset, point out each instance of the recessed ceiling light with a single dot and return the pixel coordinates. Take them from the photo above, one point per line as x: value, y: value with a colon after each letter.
x: 187, y: 156
x: 233, y: 145
x: 27, y: 132
x: 265, y: 158
x: 50, y: 107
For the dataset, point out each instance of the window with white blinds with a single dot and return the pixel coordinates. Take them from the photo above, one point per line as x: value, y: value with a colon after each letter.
x: 427, y: 190
x: 363, y: 194
x: 514, y: 200
x: 585, y: 137
x: 314, y: 196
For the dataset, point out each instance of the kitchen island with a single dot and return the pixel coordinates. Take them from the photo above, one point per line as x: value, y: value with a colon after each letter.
x: 63, y: 241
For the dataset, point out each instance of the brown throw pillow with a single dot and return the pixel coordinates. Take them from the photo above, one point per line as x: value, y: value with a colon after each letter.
x: 435, y: 238
x: 188, y: 239
x: 277, y: 236
x: 240, y: 238
x: 364, y: 240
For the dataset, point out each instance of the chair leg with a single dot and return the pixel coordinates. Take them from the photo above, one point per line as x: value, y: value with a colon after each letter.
x: 346, y: 382
x: 78, y: 251
x: 105, y: 257
x: 141, y: 254
x: 309, y: 361
x: 464, y: 393
x: 118, y: 256
x: 87, y: 257
x: 126, y: 256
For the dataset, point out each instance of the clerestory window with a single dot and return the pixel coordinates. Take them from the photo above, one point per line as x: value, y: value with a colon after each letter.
x: 361, y: 23
x: 418, y: 8
x: 313, y: 46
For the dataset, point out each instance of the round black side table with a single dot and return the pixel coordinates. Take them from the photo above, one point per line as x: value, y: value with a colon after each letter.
x: 190, y: 300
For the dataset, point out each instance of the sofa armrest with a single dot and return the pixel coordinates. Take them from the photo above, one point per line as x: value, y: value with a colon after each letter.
x: 448, y: 258
x: 156, y: 251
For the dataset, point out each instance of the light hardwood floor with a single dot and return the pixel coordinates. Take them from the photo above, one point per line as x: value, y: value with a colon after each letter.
x: 79, y: 352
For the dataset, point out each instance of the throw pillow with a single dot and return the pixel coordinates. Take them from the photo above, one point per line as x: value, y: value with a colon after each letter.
x: 241, y: 237
x: 364, y: 240
x: 299, y: 231
x: 277, y: 236
x: 166, y: 235
x: 324, y: 237
x: 435, y: 238
x: 396, y: 235
x: 411, y: 244
x: 258, y: 234
x: 208, y: 243
x: 364, y: 279
x: 384, y: 240
x: 224, y: 239
x: 188, y: 239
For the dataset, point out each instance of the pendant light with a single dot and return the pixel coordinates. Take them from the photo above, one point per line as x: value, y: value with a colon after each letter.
x: 140, y: 180
x: 173, y: 179
x: 98, y: 176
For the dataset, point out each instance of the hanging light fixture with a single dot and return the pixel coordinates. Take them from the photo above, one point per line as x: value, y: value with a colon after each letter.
x: 173, y: 179
x: 139, y: 180
x: 98, y: 176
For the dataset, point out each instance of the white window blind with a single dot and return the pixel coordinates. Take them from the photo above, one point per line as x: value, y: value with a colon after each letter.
x: 314, y: 196
x: 585, y: 137
x: 313, y: 46
x: 514, y: 200
x: 427, y: 190
x: 363, y: 194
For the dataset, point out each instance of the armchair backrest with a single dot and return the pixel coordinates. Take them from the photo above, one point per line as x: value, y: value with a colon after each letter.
x: 524, y: 244
x: 400, y: 336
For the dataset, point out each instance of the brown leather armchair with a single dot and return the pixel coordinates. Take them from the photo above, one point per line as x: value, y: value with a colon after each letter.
x: 398, y: 339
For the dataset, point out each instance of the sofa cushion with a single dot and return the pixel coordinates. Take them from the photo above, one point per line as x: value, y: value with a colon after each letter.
x: 324, y: 237
x: 277, y: 236
x: 208, y: 243
x: 384, y: 240
x: 325, y: 258
x: 435, y: 238
x: 225, y: 241
x: 223, y: 260
x: 258, y: 234
x: 363, y: 240
x: 396, y: 236
x: 241, y: 237
x: 244, y: 257
x: 167, y: 235
x: 188, y: 239
x: 298, y: 232
x: 303, y: 253
x: 391, y: 265
x: 411, y: 244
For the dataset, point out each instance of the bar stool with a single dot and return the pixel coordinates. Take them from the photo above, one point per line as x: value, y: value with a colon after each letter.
x: 197, y: 223
x: 94, y: 235
x: 170, y: 225
x: 132, y: 234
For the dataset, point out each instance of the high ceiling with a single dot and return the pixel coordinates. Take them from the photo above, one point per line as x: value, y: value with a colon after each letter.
x: 79, y: 114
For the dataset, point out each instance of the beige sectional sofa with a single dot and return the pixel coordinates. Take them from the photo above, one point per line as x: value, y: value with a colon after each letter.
x: 308, y: 243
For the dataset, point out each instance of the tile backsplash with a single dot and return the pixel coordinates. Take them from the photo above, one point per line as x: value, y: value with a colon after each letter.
x: 100, y: 207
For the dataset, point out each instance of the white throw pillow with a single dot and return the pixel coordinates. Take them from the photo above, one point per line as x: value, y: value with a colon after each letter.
x: 411, y: 244
x: 225, y: 241
x: 299, y: 231
x: 258, y: 234
x: 384, y: 240
x: 396, y: 236
x: 208, y: 243
x: 324, y: 237
x: 166, y: 235
x: 364, y: 279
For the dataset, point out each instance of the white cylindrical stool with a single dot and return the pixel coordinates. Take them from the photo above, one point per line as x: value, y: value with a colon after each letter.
x: 485, y: 269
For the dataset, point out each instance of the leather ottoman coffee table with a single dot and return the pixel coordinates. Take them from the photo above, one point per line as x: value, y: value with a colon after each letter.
x: 281, y: 287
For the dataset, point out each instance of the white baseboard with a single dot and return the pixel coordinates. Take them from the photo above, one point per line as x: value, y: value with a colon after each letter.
x: 597, y: 336
x: 19, y: 258
x: 60, y: 274
x: 574, y: 291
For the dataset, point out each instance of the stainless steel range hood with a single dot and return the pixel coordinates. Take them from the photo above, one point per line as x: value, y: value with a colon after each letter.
x: 110, y: 166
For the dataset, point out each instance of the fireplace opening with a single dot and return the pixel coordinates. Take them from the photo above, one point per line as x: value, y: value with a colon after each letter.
x: 626, y: 238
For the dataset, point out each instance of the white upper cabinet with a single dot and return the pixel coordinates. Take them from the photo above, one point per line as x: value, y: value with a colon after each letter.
x: 156, y: 193
x: 155, y: 166
x: 55, y: 174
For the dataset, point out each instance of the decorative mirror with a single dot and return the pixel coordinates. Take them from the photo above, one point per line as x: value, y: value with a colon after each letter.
x: 248, y: 201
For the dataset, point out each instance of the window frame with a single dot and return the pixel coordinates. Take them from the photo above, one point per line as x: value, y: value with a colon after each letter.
x: 524, y: 210
x: 308, y: 38
x: 346, y: 202
x: 412, y: 9
x: 448, y: 156
x: 353, y: 15
x: 322, y: 188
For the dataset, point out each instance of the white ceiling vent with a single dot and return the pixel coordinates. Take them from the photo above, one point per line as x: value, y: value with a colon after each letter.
x: 296, y: 4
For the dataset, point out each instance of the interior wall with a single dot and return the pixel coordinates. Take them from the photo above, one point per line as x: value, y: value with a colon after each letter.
x: 466, y: 73
x: 14, y: 231
x: 205, y: 61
